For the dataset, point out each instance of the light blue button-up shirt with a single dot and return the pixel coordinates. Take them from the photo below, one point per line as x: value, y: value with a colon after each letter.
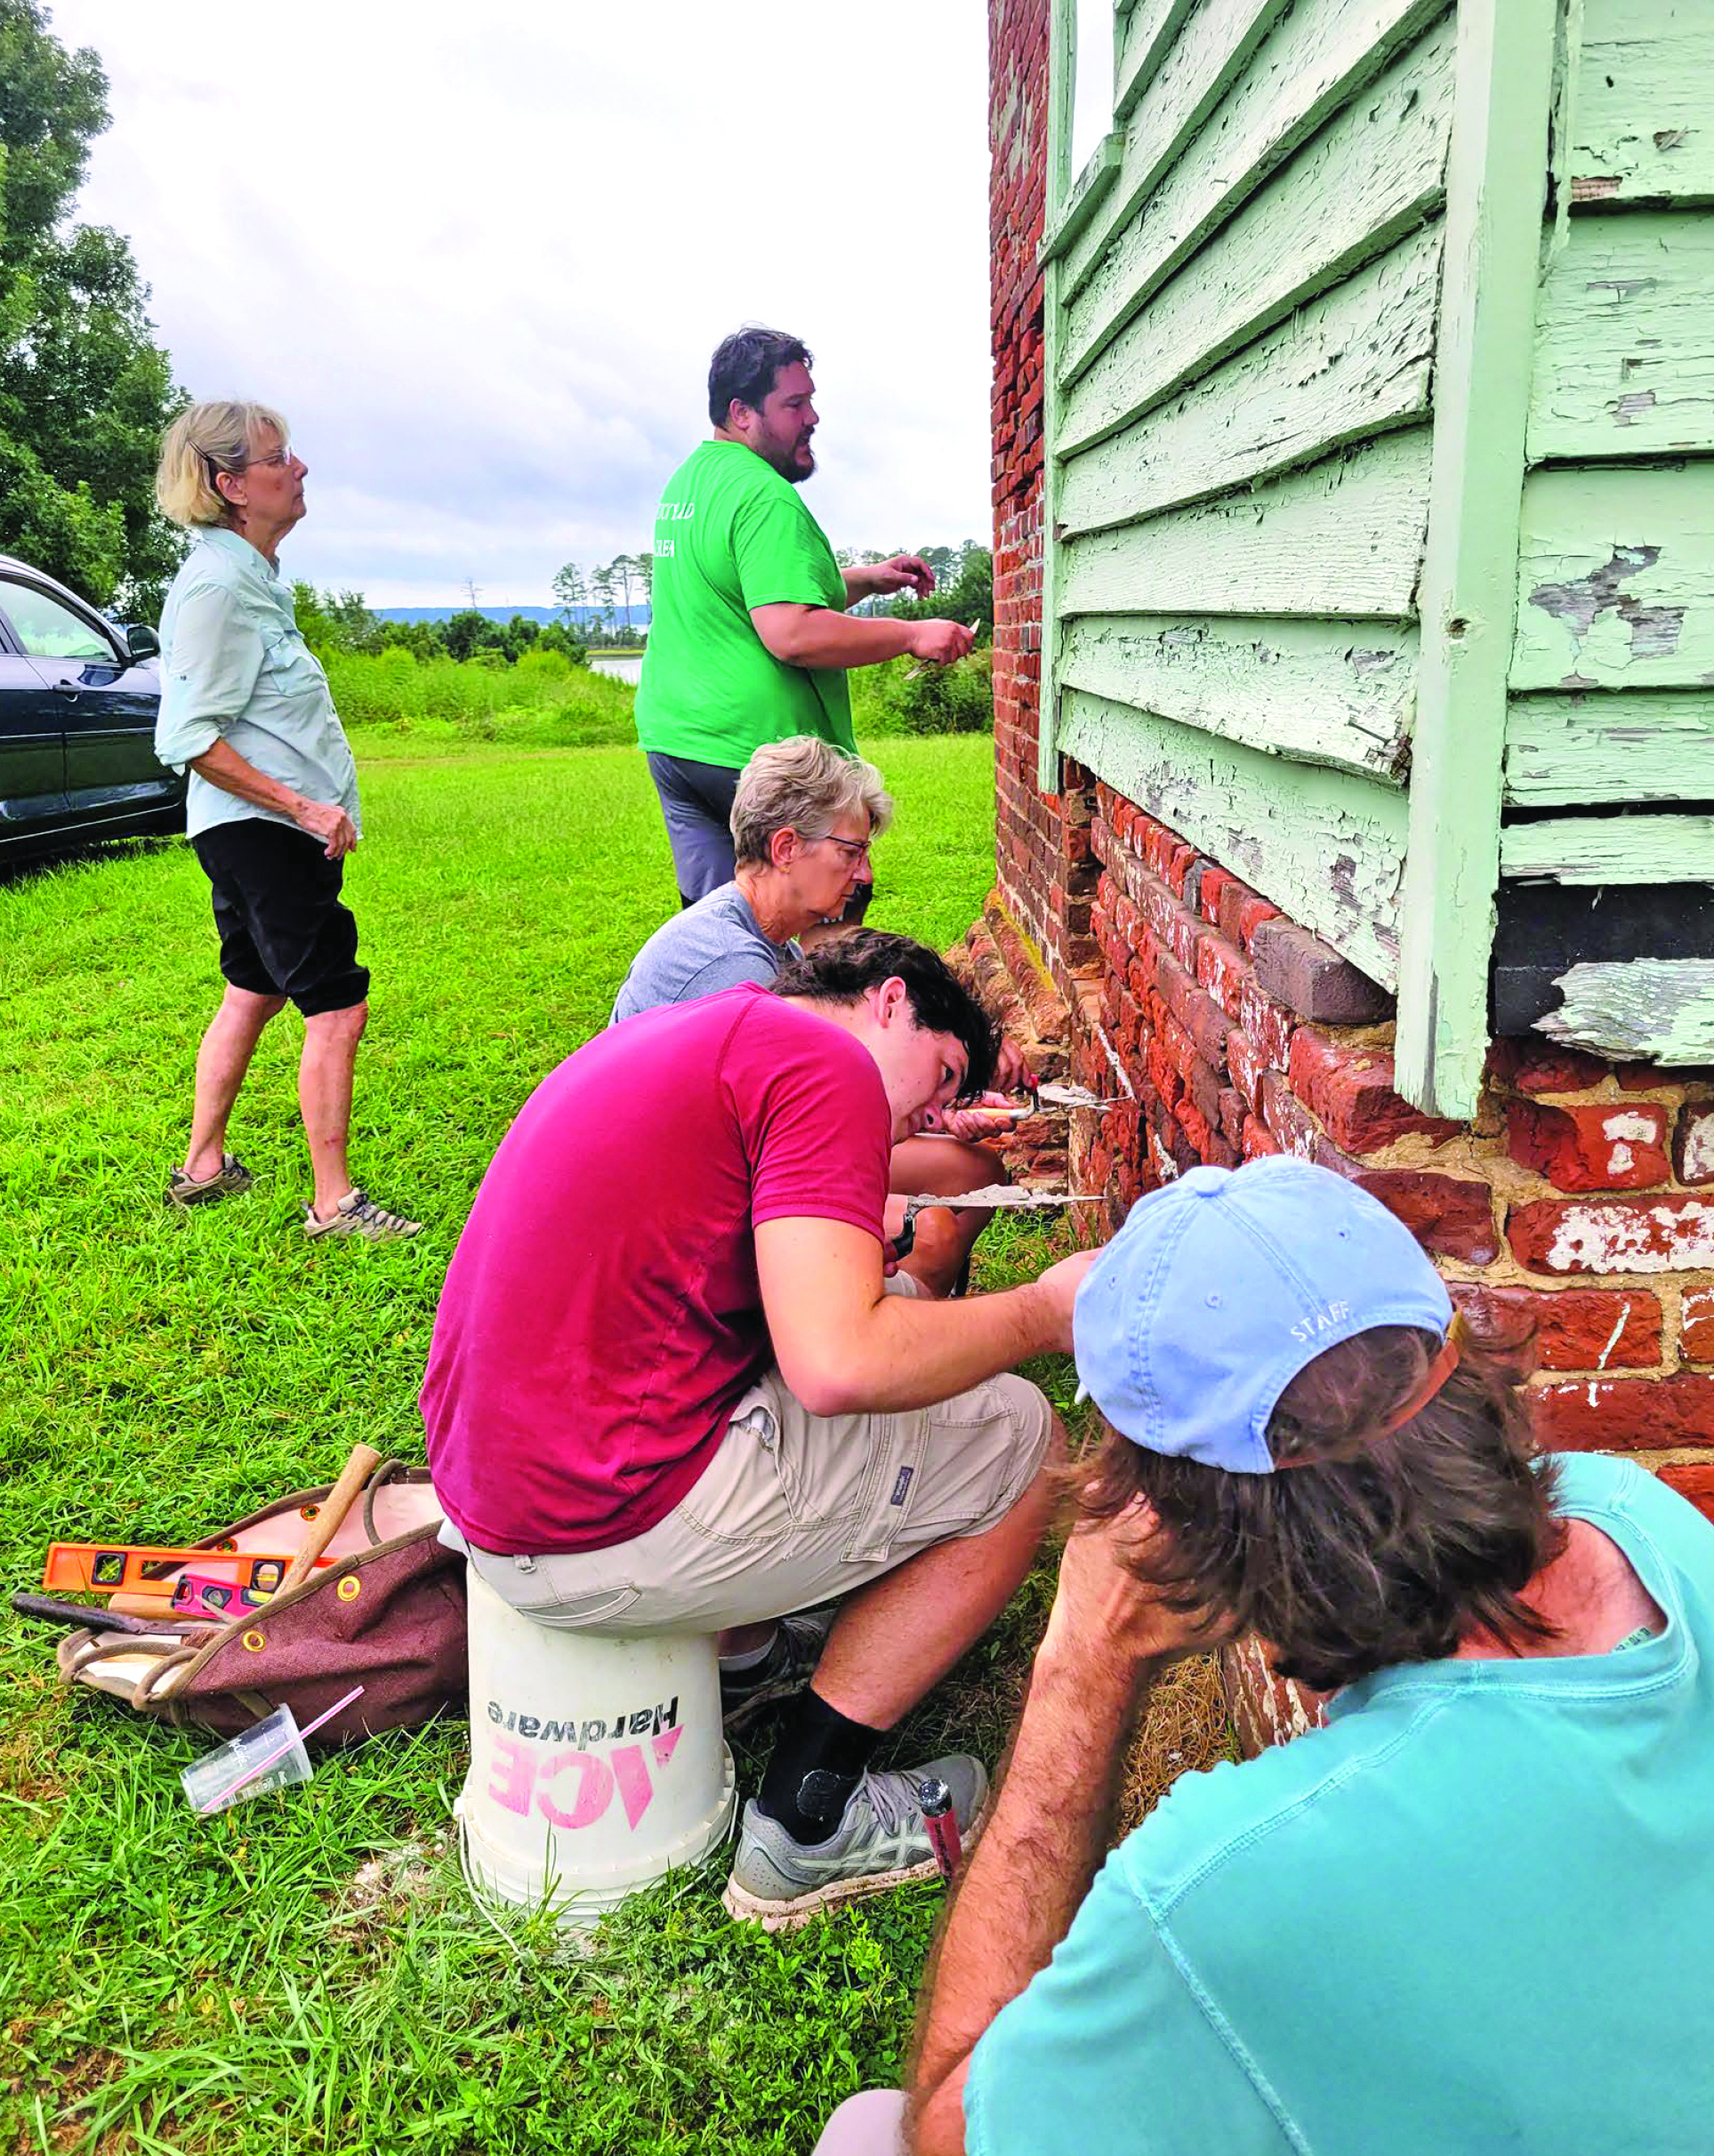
x: 234, y: 668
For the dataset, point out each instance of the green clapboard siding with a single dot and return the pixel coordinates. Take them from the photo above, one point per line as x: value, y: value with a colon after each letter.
x: 1611, y: 849
x: 1146, y: 34
x: 1350, y: 365
x: 1661, y: 1009
x: 1375, y: 171
x: 1654, y: 746
x: 1624, y: 347
x: 1186, y: 84
x: 1320, y: 56
x: 1616, y: 579
x: 1642, y: 128
x: 1324, y: 845
x: 1343, y: 538
x: 1335, y: 693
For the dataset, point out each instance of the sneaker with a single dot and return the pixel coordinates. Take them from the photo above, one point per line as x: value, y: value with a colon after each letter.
x: 880, y: 1841
x: 784, y: 1671
x: 231, y: 1177
x: 358, y: 1214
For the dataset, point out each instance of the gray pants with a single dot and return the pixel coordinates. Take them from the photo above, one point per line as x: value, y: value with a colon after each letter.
x: 697, y: 802
x: 870, y: 2125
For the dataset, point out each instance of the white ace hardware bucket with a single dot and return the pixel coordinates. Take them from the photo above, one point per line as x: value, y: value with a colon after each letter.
x: 596, y: 1765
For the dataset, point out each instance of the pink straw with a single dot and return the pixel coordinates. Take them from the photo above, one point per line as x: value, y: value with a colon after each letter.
x: 243, y: 1780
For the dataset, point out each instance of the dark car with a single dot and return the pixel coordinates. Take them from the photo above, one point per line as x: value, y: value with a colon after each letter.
x: 77, y: 704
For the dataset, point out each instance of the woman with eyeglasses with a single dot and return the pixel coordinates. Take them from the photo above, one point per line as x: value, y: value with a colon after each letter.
x: 271, y: 808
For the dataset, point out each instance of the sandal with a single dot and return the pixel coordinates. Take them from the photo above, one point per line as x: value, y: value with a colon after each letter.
x: 231, y: 1176
x: 358, y: 1214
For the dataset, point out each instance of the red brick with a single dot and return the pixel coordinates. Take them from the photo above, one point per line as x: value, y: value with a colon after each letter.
x: 1647, y: 1077
x: 1538, y: 1067
x: 1692, y: 1143
x: 1287, y: 1118
x: 1269, y: 1025
x: 1245, y: 1066
x: 1612, y: 1145
x: 1625, y: 1414
x: 1567, y: 1329
x: 1452, y: 1215
x: 1351, y: 1089
x: 1310, y: 977
x: 1257, y: 1139
x: 1693, y: 1479
x: 1696, y: 1325
x: 1233, y: 1117
x: 1214, y: 882
x: 1222, y: 972
x: 1251, y: 913
x: 1199, y: 1016
x: 1672, y: 1232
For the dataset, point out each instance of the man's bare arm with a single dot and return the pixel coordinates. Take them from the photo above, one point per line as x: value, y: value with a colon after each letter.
x: 1108, y: 1638
x: 822, y: 636
x: 845, y: 1348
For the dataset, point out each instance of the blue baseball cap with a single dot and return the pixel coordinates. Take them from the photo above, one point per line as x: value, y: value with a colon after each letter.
x: 1219, y: 1288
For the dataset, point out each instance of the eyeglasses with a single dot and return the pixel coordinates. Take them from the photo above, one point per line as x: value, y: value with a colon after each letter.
x: 853, y: 849
x: 280, y: 458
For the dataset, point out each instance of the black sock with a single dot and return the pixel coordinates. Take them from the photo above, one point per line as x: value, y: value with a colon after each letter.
x: 818, y: 1760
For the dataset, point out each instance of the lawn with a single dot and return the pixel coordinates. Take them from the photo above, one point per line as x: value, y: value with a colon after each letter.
x: 307, y: 1973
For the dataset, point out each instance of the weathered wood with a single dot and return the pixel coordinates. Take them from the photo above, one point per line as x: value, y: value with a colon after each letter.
x: 1085, y: 199
x: 1641, y: 125
x: 1336, y: 693
x: 1616, y: 579
x: 1656, y: 745
x: 1343, y: 538
x: 1624, y: 350
x: 1062, y: 83
x: 1545, y: 929
x: 1611, y: 849
x: 1372, y: 172
x: 1185, y: 85
x: 1319, y: 58
x: 1146, y: 37
x: 1352, y: 364
x: 1660, y: 1009
x: 1496, y: 196
x: 1324, y: 846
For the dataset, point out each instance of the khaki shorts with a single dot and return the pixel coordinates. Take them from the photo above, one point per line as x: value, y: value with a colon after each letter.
x: 795, y: 1509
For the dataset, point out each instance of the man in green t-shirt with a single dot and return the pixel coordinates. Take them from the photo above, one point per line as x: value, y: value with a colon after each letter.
x: 749, y: 639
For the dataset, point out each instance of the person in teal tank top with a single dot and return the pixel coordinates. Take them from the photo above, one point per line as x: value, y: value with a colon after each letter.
x: 749, y: 640
x: 1469, y: 1914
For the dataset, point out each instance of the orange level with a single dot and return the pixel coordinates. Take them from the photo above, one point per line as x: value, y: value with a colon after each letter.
x: 109, y: 1568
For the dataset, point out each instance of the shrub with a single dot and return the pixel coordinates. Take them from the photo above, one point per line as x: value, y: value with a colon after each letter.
x: 906, y: 696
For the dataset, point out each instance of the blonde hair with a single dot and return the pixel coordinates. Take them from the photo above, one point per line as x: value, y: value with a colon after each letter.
x: 806, y: 785
x: 203, y: 440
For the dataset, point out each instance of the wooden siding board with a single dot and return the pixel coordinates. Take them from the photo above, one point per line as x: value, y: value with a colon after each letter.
x: 1496, y: 199
x: 1320, y: 57
x: 1335, y: 693
x: 1659, y: 1009
x: 1611, y: 849
x: 1146, y: 37
x: 1085, y: 199
x: 1343, y: 538
x: 1616, y: 579
x: 1062, y: 83
x: 1187, y: 83
x: 1351, y: 364
x: 1655, y: 746
x: 1624, y: 345
x: 1323, y: 845
x: 1373, y: 172
x: 1642, y: 130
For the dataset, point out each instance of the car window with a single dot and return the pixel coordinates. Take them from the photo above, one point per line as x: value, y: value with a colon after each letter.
x: 49, y: 630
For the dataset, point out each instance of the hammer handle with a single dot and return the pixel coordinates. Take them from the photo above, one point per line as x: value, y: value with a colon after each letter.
x: 362, y: 1464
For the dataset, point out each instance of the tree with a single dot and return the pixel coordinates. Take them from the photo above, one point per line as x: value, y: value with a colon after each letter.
x: 84, y: 390
x: 624, y: 572
x: 601, y: 583
x: 571, y: 592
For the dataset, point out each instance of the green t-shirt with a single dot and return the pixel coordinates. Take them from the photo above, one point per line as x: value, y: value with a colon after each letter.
x: 1452, y: 1921
x: 731, y: 534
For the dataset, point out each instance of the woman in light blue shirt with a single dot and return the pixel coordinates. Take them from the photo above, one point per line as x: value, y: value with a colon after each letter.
x: 272, y: 806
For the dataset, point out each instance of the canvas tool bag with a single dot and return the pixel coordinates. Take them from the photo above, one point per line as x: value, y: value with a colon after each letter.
x: 387, y: 1612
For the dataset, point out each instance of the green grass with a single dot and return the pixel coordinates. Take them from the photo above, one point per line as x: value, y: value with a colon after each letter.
x: 307, y: 1973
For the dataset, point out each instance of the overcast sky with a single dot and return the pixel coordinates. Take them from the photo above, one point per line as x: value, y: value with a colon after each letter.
x: 478, y: 253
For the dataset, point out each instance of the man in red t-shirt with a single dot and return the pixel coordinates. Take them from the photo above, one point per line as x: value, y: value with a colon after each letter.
x: 669, y: 1389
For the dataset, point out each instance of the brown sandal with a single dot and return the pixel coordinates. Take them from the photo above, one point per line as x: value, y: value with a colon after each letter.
x: 231, y: 1177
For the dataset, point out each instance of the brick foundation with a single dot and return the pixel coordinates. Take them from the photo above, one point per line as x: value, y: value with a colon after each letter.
x: 1576, y: 1211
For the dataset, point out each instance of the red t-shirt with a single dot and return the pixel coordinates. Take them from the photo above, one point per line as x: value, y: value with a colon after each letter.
x: 602, y: 1315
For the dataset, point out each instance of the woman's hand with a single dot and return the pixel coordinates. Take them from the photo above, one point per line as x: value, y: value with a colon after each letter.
x: 329, y: 822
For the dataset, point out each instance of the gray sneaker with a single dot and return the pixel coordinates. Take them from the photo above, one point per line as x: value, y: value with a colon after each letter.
x: 790, y: 1664
x: 880, y: 1841
x: 358, y: 1214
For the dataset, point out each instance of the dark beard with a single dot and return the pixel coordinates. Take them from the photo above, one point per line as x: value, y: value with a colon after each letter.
x: 789, y: 468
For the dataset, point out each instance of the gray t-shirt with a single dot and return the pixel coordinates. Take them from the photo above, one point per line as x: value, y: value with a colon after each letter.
x: 714, y: 944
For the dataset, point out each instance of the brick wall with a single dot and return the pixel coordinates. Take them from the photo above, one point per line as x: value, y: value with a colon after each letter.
x: 1578, y: 1208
